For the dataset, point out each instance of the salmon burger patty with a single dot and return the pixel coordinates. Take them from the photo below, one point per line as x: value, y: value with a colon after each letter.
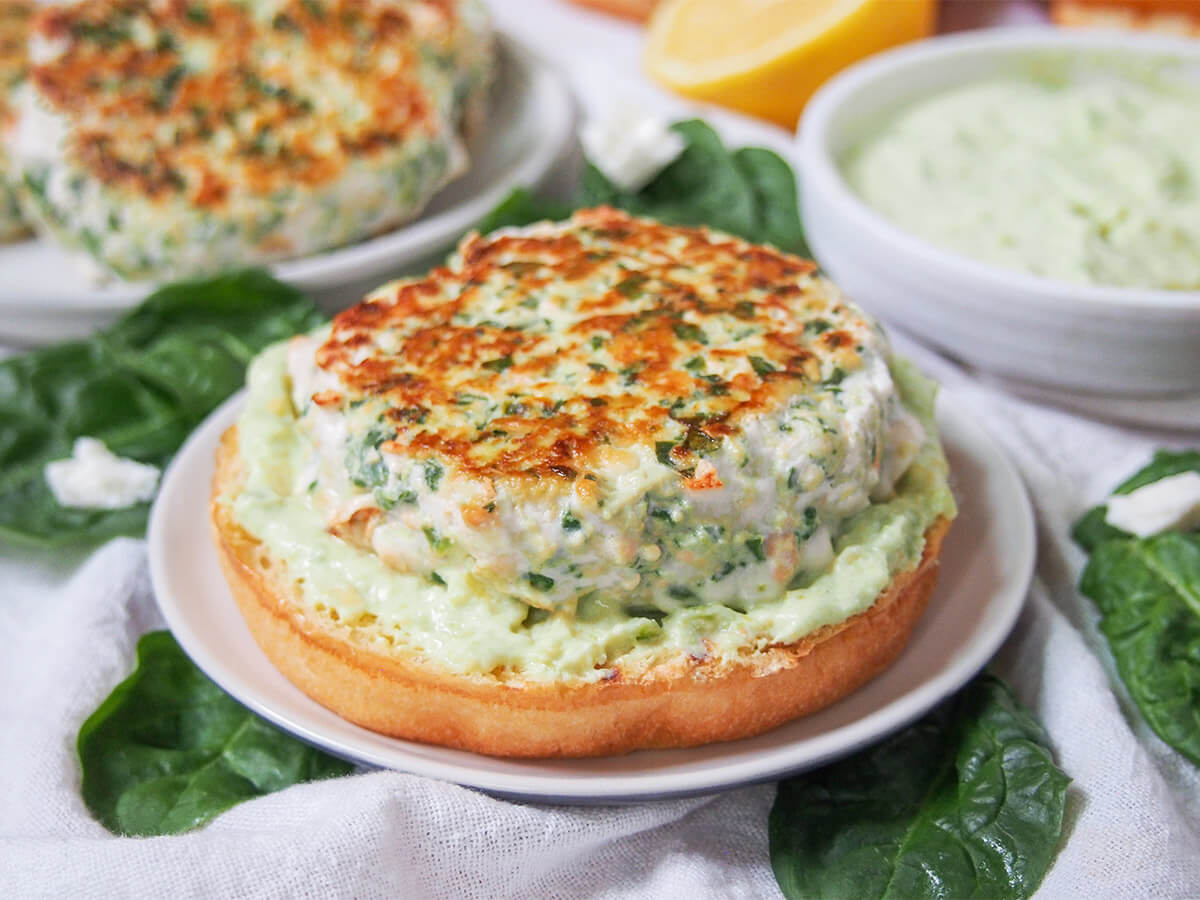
x: 585, y: 458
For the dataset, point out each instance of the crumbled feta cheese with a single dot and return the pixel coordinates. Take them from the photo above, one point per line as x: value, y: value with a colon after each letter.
x: 96, y: 478
x: 1169, y: 504
x: 630, y: 146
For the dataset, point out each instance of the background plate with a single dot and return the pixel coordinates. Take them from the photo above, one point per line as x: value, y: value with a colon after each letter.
x: 987, y: 562
x: 45, y: 297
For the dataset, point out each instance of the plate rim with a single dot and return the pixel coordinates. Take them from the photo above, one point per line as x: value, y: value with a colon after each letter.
x: 193, y: 462
x: 556, y: 111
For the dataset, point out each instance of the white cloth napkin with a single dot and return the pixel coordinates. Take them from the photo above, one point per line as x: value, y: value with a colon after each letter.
x: 1133, y: 814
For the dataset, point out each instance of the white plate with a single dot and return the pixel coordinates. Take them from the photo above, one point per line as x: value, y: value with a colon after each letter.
x: 986, y: 567
x: 44, y: 297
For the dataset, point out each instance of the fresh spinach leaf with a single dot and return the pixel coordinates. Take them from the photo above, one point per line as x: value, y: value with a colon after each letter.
x: 750, y: 192
x: 140, y: 386
x: 774, y: 187
x: 1164, y: 464
x: 1091, y: 530
x: 1148, y: 593
x: 965, y: 803
x: 168, y: 750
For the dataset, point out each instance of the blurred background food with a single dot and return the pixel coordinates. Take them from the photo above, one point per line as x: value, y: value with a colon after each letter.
x: 167, y: 140
x: 14, y: 32
x: 153, y: 156
x: 637, y: 10
x: 767, y: 58
x: 1181, y: 17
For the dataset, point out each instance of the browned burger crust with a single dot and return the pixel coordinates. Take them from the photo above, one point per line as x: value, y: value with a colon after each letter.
x: 114, y: 138
x: 681, y: 703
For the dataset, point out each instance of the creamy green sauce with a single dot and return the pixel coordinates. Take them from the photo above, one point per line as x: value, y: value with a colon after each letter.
x: 465, y: 626
x: 1075, y: 174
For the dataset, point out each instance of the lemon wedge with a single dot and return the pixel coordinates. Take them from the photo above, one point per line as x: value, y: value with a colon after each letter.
x: 767, y: 57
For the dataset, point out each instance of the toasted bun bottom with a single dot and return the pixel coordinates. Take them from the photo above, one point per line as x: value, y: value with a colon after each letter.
x: 682, y: 702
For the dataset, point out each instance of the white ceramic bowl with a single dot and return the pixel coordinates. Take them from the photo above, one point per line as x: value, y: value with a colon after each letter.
x: 1102, y: 340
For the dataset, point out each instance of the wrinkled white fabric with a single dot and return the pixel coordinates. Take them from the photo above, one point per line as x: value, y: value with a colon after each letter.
x: 69, y: 624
